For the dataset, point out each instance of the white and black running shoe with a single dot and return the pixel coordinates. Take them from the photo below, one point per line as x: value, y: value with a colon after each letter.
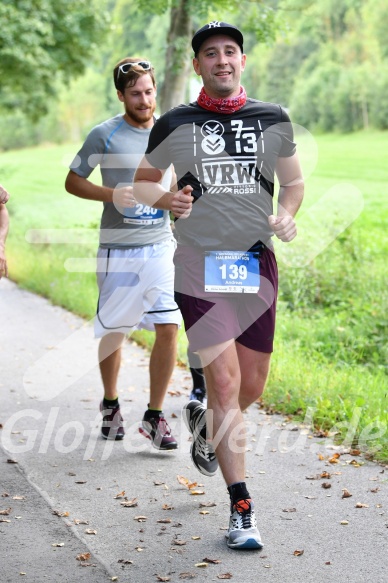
x: 202, y: 452
x: 158, y: 431
x: 243, y: 532
x: 198, y: 394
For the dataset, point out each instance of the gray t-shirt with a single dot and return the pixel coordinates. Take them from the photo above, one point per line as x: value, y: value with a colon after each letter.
x: 117, y: 148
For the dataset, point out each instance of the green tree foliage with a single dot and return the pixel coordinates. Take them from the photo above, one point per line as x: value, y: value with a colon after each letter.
x: 332, y: 68
x: 326, y: 61
x: 42, y: 40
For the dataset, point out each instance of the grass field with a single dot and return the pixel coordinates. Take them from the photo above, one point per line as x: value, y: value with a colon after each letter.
x: 330, y: 354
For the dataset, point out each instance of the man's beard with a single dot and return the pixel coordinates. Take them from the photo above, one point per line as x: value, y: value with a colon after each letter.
x: 136, y: 114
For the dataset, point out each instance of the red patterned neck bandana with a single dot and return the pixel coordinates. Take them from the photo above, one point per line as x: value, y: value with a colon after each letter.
x: 227, y: 105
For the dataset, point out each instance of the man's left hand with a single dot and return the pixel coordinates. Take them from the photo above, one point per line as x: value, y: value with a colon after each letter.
x: 283, y: 227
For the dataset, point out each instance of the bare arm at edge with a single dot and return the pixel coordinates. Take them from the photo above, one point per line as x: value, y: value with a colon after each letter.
x: 4, y: 225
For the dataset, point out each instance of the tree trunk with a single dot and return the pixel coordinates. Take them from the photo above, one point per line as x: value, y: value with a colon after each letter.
x: 178, y: 63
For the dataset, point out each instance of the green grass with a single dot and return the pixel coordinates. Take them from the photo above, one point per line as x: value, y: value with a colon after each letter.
x: 330, y: 351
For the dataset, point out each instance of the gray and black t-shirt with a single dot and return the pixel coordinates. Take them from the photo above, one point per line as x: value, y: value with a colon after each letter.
x: 229, y: 159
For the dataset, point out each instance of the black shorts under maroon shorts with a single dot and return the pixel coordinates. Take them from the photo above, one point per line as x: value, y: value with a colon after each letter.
x: 212, y: 318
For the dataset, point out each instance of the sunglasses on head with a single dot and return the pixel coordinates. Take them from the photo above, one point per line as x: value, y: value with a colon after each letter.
x: 126, y: 67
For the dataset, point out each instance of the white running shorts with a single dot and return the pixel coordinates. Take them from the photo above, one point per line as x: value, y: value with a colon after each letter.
x: 136, y: 288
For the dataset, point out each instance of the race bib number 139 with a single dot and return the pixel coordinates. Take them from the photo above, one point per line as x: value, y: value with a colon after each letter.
x: 232, y: 272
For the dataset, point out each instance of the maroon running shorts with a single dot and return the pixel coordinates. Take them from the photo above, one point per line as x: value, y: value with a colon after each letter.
x: 212, y: 318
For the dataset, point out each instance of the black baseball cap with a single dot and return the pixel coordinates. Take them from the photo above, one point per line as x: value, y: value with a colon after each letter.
x: 216, y: 27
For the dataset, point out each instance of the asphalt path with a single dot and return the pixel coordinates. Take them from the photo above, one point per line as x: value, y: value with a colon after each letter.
x: 74, y: 507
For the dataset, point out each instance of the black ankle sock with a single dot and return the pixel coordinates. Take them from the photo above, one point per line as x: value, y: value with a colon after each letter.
x: 198, y: 378
x: 110, y: 403
x: 238, y: 491
x: 152, y: 413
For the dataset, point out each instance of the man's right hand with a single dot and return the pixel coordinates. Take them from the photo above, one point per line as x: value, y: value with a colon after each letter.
x: 123, y: 197
x: 182, y: 203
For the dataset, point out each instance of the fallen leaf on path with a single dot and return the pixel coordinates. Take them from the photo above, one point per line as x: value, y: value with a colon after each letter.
x: 320, y: 433
x: 60, y: 513
x: 57, y: 544
x: 185, y: 482
x: 83, y: 557
x: 334, y: 458
x: 355, y: 452
x: 80, y: 521
x: 207, y: 504
x: 326, y: 485
x: 204, y: 512
x: 298, y: 553
x: 197, y: 492
x: 325, y: 475
x: 120, y: 495
x: 5, y: 495
x: 10, y: 461
x: 125, y: 562
x: 344, y: 522
x: 187, y: 576
x: 140, y: 518
x: 213, y: 561
x: 361, y: 505
x: 90, y: 531
x: 179, y: 543
x: 129, y: 503
x: 201, y: 565
x: 80, y: 482
x: 160, y: 578
x: 18, y: 497
x: 5, y: 512
x: 225, y: 576
x: 375, y: 490
x: 289, y: 509
x: 164, y: 520
x: 346, y: 493
x: 196, y: 538
x: 167, y: 507
x: 4, y: 520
